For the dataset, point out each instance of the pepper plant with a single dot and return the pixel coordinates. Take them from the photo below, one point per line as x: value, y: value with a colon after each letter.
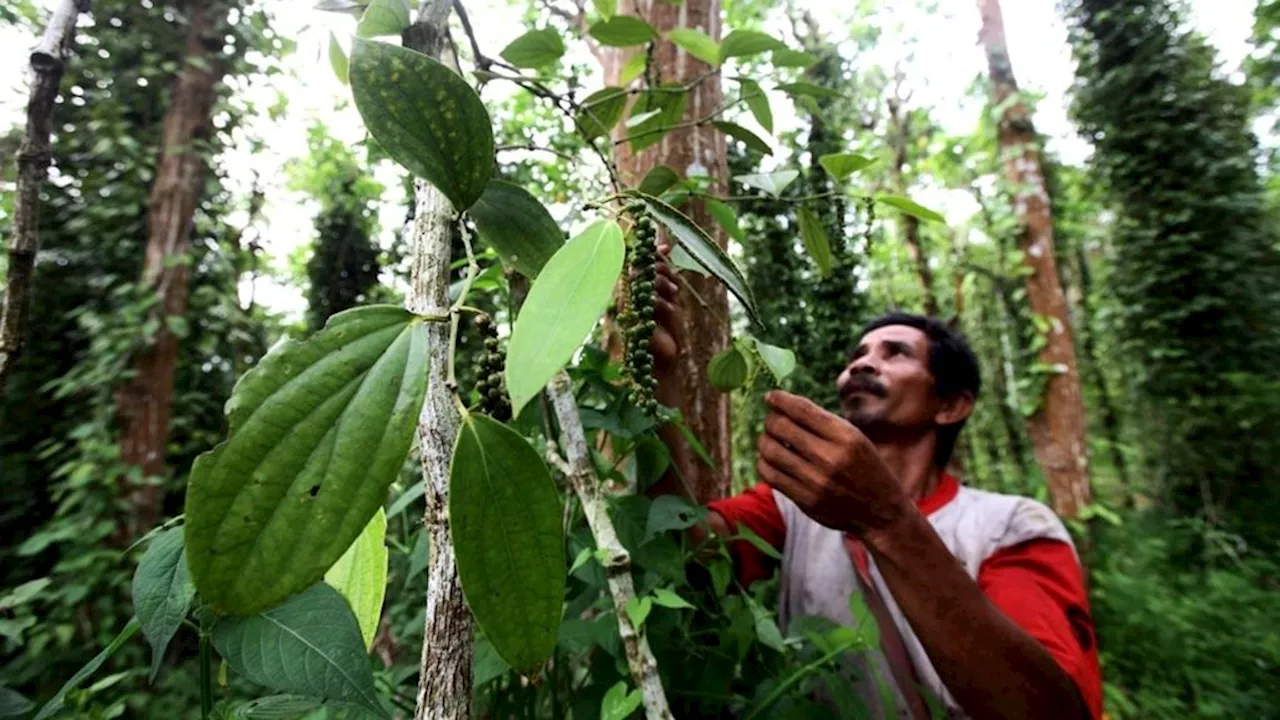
x: 279, y: 558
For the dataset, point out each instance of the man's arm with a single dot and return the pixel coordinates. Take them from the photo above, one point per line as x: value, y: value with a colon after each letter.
x: 834, y: 474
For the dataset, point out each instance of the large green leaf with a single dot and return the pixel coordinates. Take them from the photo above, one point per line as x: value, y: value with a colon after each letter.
x: 773, y: 183
x: 308, y: 646
x: 696, y: 43
x: 506, y: 518
x: 725, y: 217
x: 534, y: 49
x: 384, y: 17
x: 601, y: 110
x: 842, y: 165
x: 622, y: 31
x: 757, y: 103
x: 513, y: 222
x: 703, y: 250
x: 162, y: 592
x: 569, y: 296
x: 319, y: 430
x: 743, y: 43
x: 632, y: 68
x: 910, y: 207
x: 361, y: 575
x: 425, y: 116
x: 780, y: 361
x: 59, y: 699
x: 786, y: 57
x: 815, y: 241
x: 618, y: 704
x: 662, y: 110
x: 659, y: 180
x: 750, y: 139
x: 801, y: 88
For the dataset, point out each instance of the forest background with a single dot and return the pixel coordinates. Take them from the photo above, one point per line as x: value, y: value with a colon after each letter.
x: 1165, y: 200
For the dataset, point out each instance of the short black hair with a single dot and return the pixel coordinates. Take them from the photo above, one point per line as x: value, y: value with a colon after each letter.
x: 951, y: 362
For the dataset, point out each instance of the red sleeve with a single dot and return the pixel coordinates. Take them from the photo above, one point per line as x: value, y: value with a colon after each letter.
x: 1038, y: 585
x: 757, y: 510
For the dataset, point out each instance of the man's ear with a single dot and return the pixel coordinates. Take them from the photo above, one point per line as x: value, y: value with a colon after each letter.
x: 954, y: 409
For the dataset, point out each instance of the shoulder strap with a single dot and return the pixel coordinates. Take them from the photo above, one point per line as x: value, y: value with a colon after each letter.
x: 895, y: 650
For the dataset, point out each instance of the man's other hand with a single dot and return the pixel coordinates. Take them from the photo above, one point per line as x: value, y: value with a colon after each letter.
x: 668, y: 335
x: 828, y: 468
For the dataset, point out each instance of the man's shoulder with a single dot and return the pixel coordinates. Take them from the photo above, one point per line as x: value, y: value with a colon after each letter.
x: 1002, y: 519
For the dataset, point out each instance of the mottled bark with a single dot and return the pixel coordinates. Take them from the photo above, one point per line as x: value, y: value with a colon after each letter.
x: 688, y: 151
x: 33, y: 158
x: 145, y: 403
x: 900, y: 127
x: 445, y: 669
x: 1058, y: 426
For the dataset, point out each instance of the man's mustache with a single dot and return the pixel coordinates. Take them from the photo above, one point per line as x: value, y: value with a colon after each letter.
x: 863, y: 383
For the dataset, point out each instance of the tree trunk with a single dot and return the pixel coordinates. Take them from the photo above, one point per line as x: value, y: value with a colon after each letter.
x: 145, y: 403
x: 900, y: 127
x: 689, y: 150
x: 33, y: 158
x: 1093, y: 365
x: 445, y: 668
x: 1058, y: 426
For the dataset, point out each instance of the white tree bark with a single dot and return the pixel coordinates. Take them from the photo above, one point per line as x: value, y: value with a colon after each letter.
x: 617, y: 565
x: 445, y: 671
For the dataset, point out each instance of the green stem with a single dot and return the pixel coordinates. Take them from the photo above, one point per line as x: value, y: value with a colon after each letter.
x: 796, y: 677
x: 206, y: 676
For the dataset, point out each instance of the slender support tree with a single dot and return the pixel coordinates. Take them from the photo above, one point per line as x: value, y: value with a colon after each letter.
x: 145, y: 403
x: 1058, y: 425
x: 445, y: 670
x: 900, y: 130
x: 689, y: 150
x: 33, y: 158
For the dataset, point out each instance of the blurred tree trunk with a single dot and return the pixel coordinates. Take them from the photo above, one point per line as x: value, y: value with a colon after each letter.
x: 694, y: 150
x: 145, y: 403
x: 1093, y: 366
x: 900, y: 131
x: 1058, y: 425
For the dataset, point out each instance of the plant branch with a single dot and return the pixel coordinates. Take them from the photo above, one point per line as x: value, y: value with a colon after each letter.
x: 617, y: 565
x: 536, y: 148
x: 33, y: 158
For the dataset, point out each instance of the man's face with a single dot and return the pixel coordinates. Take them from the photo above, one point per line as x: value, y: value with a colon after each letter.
x: 886, y: 390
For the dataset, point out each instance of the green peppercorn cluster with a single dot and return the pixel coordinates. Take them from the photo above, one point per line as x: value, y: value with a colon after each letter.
x: 637, y: 320
x: 490, y: 382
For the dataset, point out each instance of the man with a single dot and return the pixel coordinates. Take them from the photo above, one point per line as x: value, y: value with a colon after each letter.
x: 979, y: 597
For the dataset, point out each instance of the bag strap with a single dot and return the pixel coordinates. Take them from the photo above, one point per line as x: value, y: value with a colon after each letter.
x: 895, y: 650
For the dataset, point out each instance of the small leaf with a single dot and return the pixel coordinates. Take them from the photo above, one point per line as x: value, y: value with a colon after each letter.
x: 580, y: 560
x: 569, y: 296
x: 505, y: 515
x: 815, y: 241
x: 780, y: 361
x: 703, y: 250
x: 638, y: 610
x: 361, y: 576
x: 681, y: 260
x: 743, y: 43
x: 728, y: 369
x: 412, y: 493
x: 767, y: 631
x: 696, y: 43
x: 669, y: 599
x: 633, y: 68
x: 802, y: 88
x: 384, y: 17
x: 601, y: 110
x: 618, y: 704
x: 910, y: 207
x: 337, y: 59
x: 310, y: 645
x: 637, y: 119
x: 658, y: 180
x: 786, y: 57
x: 420, y: 556
x: 512, y: 222
x: 320, y: 429
x: 57, y: 702
x: 606, y: 8
x: 13, y: 704
x: 669, y: 100
x: 534, y: 49
x: 773, y: 183
x: 724, y: 217
x: 746, y: 533
x: 842, y: 165
x: 426, y: 117
x: 757, y: 103
x: 738, y: 132
x: 622, y: 31
x: 488, y: 665
x: 667, y: 513
x: 162, y: 593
